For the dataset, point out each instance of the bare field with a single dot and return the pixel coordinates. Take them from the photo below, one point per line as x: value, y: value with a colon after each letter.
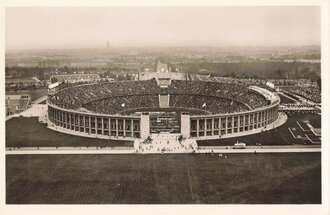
x: 164, y: 179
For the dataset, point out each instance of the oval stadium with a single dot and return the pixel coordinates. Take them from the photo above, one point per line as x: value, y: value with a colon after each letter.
x: 163, y: 103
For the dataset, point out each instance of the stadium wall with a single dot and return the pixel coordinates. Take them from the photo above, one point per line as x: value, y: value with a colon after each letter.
x: 234, y: 124
x: 94, y: 125
x: 130, y: 127
x: 203, y: 126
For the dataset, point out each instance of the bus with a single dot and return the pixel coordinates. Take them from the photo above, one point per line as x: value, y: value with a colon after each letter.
x: 239, y: 145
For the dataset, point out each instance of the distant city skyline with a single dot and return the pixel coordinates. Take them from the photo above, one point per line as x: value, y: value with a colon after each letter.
x: 60, y: 28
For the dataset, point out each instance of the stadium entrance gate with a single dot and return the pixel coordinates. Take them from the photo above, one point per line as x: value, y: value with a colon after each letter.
x: 164, y: 122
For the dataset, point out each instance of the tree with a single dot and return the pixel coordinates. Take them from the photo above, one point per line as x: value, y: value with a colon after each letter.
x: 53, y: 80
x: 319, y: 83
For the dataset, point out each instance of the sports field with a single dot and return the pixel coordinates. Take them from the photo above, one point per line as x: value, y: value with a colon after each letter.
x: 164, y: 179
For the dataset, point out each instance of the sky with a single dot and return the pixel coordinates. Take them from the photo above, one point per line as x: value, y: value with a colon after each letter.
x: 89, y: 27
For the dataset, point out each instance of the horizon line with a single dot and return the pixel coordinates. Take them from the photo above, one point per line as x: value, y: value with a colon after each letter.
x: 162, y: 47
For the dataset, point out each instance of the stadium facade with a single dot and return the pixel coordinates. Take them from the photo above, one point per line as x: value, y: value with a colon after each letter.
x: 162, y: 102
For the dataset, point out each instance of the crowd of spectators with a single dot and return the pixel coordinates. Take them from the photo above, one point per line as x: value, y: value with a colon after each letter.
x: 113, y: 97
x: 236, y: 92
x: 296, y: 108
x: 227, y: 80
x: 209, y: 103
x: 118, y: 104
x: 75, y: 97
x: 310, y: 93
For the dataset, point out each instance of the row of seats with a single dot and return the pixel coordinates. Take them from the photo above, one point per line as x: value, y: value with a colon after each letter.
x: 145, y: 92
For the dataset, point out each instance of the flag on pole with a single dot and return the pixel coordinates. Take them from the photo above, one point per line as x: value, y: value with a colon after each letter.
x: 204, y: 105
x: 123, y: 104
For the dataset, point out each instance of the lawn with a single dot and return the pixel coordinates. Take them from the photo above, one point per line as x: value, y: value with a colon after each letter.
x: 29, y: 132
x: 278, y: 136
x: 22, y: 131
x: 289, y: 178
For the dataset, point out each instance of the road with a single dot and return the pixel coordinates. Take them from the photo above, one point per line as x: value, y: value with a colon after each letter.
x: 39, y: 100
x: 98, y: 150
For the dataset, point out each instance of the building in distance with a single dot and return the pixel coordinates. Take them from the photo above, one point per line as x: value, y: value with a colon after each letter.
x: 76, y: 78
x: 17, y: 103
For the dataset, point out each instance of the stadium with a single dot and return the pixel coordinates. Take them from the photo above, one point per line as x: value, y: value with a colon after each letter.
x: 163, y: 102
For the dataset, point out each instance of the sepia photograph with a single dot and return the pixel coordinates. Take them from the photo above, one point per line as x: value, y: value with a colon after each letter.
x: 163, y: 105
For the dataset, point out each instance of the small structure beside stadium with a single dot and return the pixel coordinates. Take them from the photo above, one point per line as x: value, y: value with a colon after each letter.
x: 17, y: 103
x: 54, y: 88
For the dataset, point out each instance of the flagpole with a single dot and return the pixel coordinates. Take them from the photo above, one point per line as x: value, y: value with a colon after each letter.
x: 123, y: 106
x: 204, y: 105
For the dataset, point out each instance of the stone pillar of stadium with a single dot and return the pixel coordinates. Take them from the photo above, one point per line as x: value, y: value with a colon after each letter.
x: 145, y: 125
x: 185, y: 125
